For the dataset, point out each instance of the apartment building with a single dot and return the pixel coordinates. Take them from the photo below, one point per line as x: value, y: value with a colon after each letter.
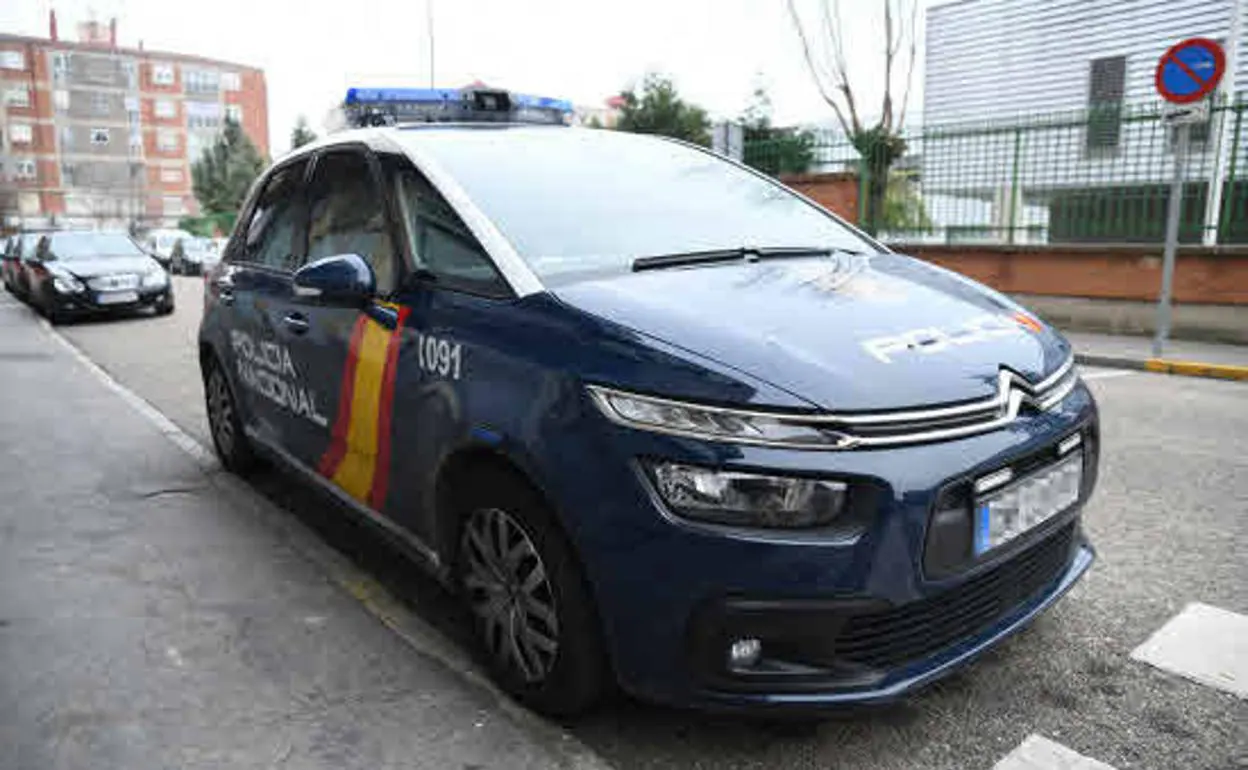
x: 94, y: 134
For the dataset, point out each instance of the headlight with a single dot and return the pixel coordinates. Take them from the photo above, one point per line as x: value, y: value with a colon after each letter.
x: 67, y: 284
x: 740, y: 427
x: 747, y: 499
x: 154, y: 278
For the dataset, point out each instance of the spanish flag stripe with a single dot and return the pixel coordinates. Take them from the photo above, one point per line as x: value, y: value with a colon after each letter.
x: 355, y: 472
x: 381, y: 476
x: 338, y: 437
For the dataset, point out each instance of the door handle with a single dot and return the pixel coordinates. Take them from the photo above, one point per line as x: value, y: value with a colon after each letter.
x: 297, y: 323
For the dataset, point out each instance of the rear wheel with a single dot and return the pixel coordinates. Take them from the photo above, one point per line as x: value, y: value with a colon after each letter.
x: 537, y: 630
x: 232, y: 445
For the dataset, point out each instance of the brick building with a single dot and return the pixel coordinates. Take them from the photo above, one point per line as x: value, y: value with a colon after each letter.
x: 95, y: 134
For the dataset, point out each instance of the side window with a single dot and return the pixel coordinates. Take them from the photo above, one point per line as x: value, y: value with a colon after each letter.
x: 440, y: 241
x: 271, y: 237
x: 347, y: 215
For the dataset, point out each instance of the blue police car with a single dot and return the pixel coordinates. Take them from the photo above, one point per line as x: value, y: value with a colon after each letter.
x: 659, y: 420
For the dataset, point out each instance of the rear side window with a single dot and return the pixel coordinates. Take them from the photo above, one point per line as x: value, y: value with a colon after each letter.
x: 439, y: 240
x: 347, y: 215
x: 272, y: 235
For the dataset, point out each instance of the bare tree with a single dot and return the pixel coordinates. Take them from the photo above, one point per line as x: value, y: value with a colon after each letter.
x: 823, y: 46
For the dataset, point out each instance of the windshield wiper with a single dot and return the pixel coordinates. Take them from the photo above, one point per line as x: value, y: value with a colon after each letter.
x: 679, y: 259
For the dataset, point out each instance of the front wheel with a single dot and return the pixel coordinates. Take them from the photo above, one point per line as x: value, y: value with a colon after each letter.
x: 232, y: 445
x: 537, y: 629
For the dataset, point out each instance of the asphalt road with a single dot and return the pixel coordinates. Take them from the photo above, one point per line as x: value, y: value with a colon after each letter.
x: 1169, y: 521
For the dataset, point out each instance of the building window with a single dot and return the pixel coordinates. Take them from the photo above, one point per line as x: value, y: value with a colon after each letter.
x: 162, y: 74
x: 99, y: 136
x: 1105, y: 89
x: 201, y: 81
x: 99, y: 103
x: 231, y: 81
x: 234, y: 112
x: 165, y: 108
x: 67, y: 174
x: 60, y: 99
x: 67, y: 138
x: 60, y: 65
x: 17, y: 97
x: 203, y: 114
x: 171, y: 204
x: 130, y: 72
x: 171, y: 175
x: 12, y: 60
x: 24, y: 169
x: 166, y: 140
x: 21, y: 133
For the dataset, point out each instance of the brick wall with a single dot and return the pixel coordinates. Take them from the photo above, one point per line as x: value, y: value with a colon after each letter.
x: 836, y: 192
x: 1202, y: 275
x: 253, y: 99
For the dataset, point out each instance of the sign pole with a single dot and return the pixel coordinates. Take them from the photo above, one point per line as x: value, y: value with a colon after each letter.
x: 1172, y: 239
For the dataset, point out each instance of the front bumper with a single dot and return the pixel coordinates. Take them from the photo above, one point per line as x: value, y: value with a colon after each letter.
x: 857, y: 616
x: 860, y: 652
x: 90, y: 302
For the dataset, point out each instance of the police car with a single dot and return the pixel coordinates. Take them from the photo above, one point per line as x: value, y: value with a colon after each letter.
x: 658, y: 420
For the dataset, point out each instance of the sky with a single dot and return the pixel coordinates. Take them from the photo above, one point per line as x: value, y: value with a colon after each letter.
x: 716, y: 51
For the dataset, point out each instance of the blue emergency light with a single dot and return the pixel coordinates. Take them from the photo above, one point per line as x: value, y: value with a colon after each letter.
x: 389, y: 106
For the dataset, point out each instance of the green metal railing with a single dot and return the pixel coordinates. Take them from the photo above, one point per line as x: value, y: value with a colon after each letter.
x: 1093, y: 176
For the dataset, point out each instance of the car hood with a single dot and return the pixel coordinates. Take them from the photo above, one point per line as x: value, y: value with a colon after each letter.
x: 91, y: 267
x: 846, y: 334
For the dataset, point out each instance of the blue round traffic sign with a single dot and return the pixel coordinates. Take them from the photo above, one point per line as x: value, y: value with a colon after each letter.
x: 1189, y: 71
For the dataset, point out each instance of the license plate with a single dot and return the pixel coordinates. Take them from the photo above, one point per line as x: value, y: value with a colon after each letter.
x: 1026, y: 504
x: 117, y: 297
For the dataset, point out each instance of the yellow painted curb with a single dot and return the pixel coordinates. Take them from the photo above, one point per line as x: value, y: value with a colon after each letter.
x: 1197, y: 369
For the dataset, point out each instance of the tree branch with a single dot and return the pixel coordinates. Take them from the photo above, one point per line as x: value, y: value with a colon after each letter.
x: 914, y: 35
x: 814, y: 70
x: 886, y: 111
x: 832, y: 26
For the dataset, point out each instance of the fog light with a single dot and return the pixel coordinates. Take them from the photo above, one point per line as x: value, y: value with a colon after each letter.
x: 744, y: 653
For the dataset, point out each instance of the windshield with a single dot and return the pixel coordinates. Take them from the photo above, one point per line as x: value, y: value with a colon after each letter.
x: 573, y: 200
x: 71, y: 246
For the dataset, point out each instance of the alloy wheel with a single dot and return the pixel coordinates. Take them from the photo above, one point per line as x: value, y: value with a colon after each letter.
x: 510, y: 595
x: 221, y: 411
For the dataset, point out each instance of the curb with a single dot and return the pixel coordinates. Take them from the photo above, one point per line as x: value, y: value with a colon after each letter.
x: 1167, y: 366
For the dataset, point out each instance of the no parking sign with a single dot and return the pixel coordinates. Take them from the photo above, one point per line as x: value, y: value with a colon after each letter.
x: 1185, y: 75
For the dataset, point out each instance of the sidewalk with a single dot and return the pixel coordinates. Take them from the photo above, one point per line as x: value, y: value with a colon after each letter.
x: 153, y: 616
x: 1206, y: 359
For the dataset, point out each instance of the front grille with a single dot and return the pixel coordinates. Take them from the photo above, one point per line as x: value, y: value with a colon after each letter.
x: 914, y: 631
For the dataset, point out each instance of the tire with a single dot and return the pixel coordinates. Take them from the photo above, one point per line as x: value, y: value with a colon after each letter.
x: 233, y: 447
x: 165, y: 307
x: 501, y: 586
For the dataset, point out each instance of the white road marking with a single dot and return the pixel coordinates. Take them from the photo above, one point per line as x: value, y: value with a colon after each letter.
x: 1205, y: 644
x: 1040, y: 753
x: 1105, y: 374
x: 409, y: 627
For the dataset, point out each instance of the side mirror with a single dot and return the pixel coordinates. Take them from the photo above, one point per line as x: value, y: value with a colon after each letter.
x: 343, y: 279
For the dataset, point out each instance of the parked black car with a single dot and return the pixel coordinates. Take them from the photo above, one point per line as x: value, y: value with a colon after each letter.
x: 9, y: 261
x: 20, y: 250
x: 78, y: 273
